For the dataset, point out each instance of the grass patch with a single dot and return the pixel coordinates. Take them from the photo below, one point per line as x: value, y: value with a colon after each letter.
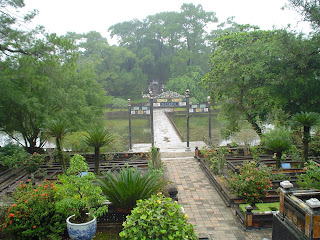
x: 262, y: 207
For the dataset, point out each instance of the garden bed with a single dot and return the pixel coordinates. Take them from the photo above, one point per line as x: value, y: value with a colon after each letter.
x: 261, y: 217
x: 220, y: 185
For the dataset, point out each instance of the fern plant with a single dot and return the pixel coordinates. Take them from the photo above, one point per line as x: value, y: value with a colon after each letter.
x: 124, y: 188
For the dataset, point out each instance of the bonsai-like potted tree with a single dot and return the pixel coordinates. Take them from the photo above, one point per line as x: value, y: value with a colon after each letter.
x: 82, y: 198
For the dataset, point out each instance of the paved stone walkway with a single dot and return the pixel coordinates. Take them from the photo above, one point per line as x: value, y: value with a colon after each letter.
x: 202, y: 203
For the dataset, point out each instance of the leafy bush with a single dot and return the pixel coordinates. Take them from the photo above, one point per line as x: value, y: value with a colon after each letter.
x: 12, y: 156
x: 124, y: 188
x: 119, y: 103
x: 78, y: 194
x: 216, y: 158
x: 314, y: 145
x: 157, y: 218
x: 252, y: 183
x: 33, y: 215
x: 15, y: 156
x: 311, y: 177
x: 33, y: 162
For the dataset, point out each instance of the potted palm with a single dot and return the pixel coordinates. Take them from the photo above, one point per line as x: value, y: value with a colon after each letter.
x: 82, y: 198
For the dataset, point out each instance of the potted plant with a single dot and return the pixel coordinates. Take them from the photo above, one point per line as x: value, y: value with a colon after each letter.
x: 82, y: 198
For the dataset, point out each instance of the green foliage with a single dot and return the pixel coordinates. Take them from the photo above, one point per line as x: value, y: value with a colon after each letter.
x: 32, y: 162
x: 96, y: 138
x: 78, y: 194
x: 157, y: 218
x: 216, y: 158
x: 277, y: 140
x: 33, y: 215
x: 156, y: 159
x: 15, y: 156
x: 124, y: 188
x: 314, y: 145
x: 251, y: 183
x: 309, y: 9
x: 119, y: 103
x: 12, y: 156
x: 306, y: 120
x: 311, y: 177
x: 57, y: 128
x: 75, y: 142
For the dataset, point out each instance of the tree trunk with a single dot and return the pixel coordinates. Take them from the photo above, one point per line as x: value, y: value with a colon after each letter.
x: 254, y: 124
x: 278, y: 160
x: 96, y: 160
x: 305, y: 140
x: 60, y: 155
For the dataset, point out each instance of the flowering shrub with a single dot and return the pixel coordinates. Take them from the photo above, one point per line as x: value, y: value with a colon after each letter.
x: 311, y: 177
x: 157, y: 218
x: 33, y: 215
x: 15, y: 157
x: 314, y: 145
x: 33, y: 162
x: 252, y: 183
x: 216, y: 158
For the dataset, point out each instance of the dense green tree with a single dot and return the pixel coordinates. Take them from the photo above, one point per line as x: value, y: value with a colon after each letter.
x: 294, y: 73
x: 237, y: 80
x: 12, y: 39
x: 168, y: 43
x: 189, y: 80
x: 118, y: 69
x: 35, y: 88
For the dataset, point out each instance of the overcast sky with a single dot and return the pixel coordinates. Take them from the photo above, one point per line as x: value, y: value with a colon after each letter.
x: 81, y: 16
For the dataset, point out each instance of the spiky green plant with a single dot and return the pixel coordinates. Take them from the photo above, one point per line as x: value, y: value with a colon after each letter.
x: 97, y: 138
x: 306, y: 120
x: 57, y: 128
x: 278, y: 141
x: 124, y: 188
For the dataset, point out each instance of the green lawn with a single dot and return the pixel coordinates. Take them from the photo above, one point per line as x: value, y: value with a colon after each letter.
x: 262, y: 207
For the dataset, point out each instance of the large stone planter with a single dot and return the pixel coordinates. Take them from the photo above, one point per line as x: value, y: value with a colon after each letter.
x: 81, y: 231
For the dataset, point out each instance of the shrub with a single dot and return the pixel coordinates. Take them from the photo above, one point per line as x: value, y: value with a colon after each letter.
x: 124, y: 188
x: 119, y: 103
x: 314, y: 145
x: 12, y: 156
x: 33, y: 215
x: 216, y: 158
x: 251, y: 183
x: 78, y: 194
x: 15, y: 156
x: 157, y: 218
x: 311, y: 177
x: 33, y: 162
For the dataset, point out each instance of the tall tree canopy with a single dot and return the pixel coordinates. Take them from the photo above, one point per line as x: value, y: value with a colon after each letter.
x: 40, y: 80
x: 254, y: 72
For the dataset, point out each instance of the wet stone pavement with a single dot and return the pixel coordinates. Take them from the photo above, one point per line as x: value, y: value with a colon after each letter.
x: 206, y: 210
